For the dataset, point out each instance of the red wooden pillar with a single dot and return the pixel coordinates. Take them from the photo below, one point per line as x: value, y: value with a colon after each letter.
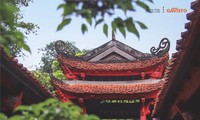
x: 83, y: 76
x: 143, y: 109
x: 81, y: 102
x: 143, y: 75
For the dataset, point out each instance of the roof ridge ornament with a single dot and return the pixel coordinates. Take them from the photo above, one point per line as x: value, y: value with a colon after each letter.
x: 113, y: 35
x: 60, y: 46
x: 163, y: 48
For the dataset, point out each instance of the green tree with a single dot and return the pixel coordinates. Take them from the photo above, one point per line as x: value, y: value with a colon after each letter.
x: 94, y: 12
x: 83, y: 52
x: 49, y: 54
x: 51, y: 109
x: 44, y: 77
x: 12, y: 28
x: 57, y: 72
x: 49, y: 62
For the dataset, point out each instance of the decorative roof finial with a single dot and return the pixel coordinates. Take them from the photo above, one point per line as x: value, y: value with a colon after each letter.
x: 113, y: 35
x: 60, y: 46
x: 163, y: 48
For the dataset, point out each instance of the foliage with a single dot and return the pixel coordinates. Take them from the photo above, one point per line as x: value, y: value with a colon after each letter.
x: 83, y: 52
x: 44, y: 77
x: 3, y: 117
x: 94, y: 12
x: 49, y: 62
x: 51, y: 109
x: 12, y: 29
x: 49, y: 54
x: 57, y: 72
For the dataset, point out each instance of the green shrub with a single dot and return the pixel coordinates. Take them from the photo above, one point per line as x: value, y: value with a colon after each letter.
x: 51, y: 109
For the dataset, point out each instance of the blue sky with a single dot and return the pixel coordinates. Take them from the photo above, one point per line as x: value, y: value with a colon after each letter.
x: 159, y: 25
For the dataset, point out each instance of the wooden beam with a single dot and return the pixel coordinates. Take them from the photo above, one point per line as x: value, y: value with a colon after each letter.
x: 117, y: 73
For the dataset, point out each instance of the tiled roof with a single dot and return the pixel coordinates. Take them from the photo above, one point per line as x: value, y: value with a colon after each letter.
x: 183, y: 47
x: 108, y: 87
x: 94, y: 66
x: 60, y: 49
x: 23, y: 71
x: 131, y: 51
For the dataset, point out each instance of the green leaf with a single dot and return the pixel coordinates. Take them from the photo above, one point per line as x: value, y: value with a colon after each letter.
x: 125, y: 5
x: 7, y: 50
x: 3, y: 116
x: 131, y: 26
x: 92, y: 117
x: 150, y: 1
x: 27, y: 48
x: 133, y: 29
x: 129, y: 5
x: 66, y: 104
x: 122, y: 30
x: 114, y: 26
x: 51, y: 101
x: 61, y: 6
x: 63, y: 23
x: 23, y: 108
x: 16, y: 117
x: 37, y: 109
x: 89, y: 20
x: 98, y: 22
x: 143, y: 5
x: 105, y: 29
x: 69, y: 9
x: 19, y: 35
x: 142, y: 25
x: 120, y: 25
x: 84, y: 28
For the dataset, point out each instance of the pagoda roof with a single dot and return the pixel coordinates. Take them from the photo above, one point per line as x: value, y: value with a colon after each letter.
x: 117, y: 47
x: 123, y: 52
x: 127, y: 58
x: 108, y: 87
x: 113, y: 46
x: 174, y: 75
x: 81, y: 65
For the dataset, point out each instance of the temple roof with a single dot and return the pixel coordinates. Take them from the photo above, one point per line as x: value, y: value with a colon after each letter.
x: 100, y: 54
x: 22, y: 76
x: 122, y: 66
x: 114, y: 56
x: 115, y: 51
x: 115, y: 46
x: 185, y: 48
x: 108, y: 87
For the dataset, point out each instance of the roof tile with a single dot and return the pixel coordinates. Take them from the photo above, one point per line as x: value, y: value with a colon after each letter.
x: 190, y: 15
x: 24, y: 71
x: 108, y: 87
x: 92, y: 66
